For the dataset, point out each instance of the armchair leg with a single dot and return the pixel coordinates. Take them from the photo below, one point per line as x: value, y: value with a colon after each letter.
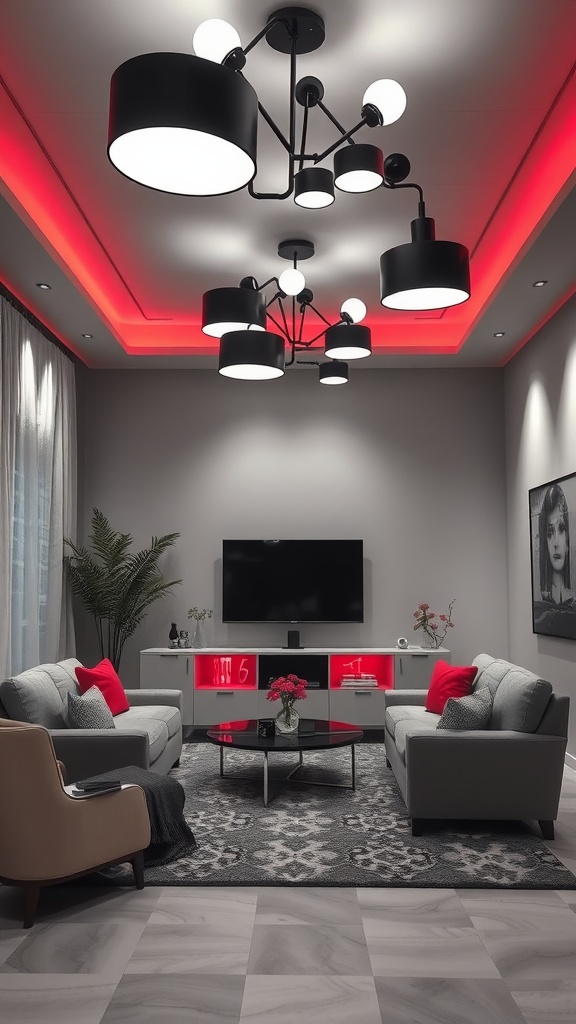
x: 31, y: 896
x: 417, y: 826
x: 547, y: 829
x: 137, y: 862
x: 388, y: 765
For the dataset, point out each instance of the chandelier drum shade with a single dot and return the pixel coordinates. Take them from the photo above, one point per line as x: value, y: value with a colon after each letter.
x: 251, y: 355
x: 335, y: 372
x: 358, y: 168
x: 348, y: 341
x: 182, y: 124
x: 424, y: 273
x: 232, y: 309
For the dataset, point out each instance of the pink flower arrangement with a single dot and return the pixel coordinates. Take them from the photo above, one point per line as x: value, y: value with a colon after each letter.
x: 287, y: 689
x: 426, y: 621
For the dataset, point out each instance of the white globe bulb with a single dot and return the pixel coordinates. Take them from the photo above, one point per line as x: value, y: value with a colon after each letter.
x: 355, y: 309
x: 388, y: 97
x: 214, y: 39
x: 292, y: 281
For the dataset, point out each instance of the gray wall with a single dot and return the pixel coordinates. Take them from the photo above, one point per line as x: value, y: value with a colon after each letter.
x: 540, y: 389
x: 411, y: 461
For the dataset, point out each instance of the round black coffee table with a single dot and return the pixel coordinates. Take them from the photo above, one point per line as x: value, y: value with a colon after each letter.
x: 313, y: 734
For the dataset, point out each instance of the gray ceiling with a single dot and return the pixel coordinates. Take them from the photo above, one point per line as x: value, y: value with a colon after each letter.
x: 121, y: 256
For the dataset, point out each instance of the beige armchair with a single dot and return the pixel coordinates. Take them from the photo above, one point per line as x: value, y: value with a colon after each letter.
x: 48, y: 836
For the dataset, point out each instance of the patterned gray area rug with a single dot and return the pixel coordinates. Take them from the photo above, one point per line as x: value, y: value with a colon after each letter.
x: 318, y: 836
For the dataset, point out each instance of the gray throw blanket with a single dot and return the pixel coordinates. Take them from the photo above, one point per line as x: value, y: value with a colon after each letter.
x: 171, y: 837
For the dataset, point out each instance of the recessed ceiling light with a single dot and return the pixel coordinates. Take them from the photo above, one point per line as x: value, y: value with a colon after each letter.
x: 500, y: 334
x: 539, y: 284
x: 45, y: 287
x: 87, y: 335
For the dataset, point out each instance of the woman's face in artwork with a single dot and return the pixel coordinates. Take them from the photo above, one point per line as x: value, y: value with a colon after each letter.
x: 556, y: 538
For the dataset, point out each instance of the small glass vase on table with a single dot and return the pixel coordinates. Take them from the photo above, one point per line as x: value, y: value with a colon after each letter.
x: 199, y: 615
x: 287, y: 689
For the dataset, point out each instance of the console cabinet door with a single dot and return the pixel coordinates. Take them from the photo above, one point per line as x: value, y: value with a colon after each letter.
x: 413, y: 670
x: 214, y: 706
x: 170, y: 671
x: 358, y: 707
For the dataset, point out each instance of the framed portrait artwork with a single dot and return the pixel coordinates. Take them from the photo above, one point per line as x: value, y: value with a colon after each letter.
x: 553, y: 554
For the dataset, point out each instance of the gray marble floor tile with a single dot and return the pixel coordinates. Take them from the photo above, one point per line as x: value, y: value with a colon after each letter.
x: 191, y: 949
x: 540, y: 957
x: 10, y: 939
x: 413, y: 906
x: 228, y: 894
x: 228, y: 917
x: 446, y: 1001
x: 178, y: 999
x: 568, y: 896
x: 427, y: 951
x: 321, y: 906
x: 309, y: 949
x: 547, y: 1002
x: 313, y: 999
x: 53, y: 999
x: 76, y: 903
x: 103, y: 948
x: 523, y: 917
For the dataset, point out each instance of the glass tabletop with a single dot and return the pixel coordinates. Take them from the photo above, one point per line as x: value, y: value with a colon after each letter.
x: 313, y: 734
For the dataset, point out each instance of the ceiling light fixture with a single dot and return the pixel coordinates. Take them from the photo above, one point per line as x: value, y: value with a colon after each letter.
x: 499, y: 334
x: 424, y: 273
x: 45, y: 287
x: 539, y: 284
x: 188, y: 124
x: 87, y: 335
x: 253, y: 352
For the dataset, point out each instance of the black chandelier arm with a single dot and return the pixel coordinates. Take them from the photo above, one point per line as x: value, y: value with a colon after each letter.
x: 345, y: 138
x: 301, y: 155
x: 289, y: 145
x: 331, y: 117
x: 318, y: 313
x: 409, y: 184
x: 269, y: 24
x: 279, y: 326
x: 284, y: 320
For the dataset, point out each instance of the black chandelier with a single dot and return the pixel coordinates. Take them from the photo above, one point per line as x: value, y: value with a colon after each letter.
x: 248, y: 351
x: 188, y: 124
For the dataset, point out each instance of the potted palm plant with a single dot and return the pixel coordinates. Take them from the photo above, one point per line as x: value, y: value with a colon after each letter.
x: 117, y: 586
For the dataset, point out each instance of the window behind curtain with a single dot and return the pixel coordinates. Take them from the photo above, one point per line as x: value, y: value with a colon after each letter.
x: 37, y: 492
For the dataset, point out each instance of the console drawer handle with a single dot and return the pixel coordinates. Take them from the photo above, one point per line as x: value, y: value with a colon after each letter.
x: 224, y: 693
x: 362, y: 693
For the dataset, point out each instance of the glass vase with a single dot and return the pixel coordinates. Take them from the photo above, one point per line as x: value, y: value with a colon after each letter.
x: 424, y: 640
x: 198, y: 634
x: 287, y: 720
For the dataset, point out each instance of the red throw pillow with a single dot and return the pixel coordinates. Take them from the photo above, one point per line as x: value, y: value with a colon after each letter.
x: 105, y: 677
x: 448, y: 681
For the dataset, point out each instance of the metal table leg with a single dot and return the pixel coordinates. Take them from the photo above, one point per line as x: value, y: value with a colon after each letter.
x: 265, y: 778
x: 353, y: 749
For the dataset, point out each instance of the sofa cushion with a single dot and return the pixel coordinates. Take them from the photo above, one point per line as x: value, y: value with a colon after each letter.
x: 105, y: 677
x: 156, y: 729
x: 89, y: 710
x: 448, y: 681
x: 171, y: 716
x: 33, y: 696
x: 520, y: 696
x: 471, y: 712
x: 405, y: 712
x: 410, y: 726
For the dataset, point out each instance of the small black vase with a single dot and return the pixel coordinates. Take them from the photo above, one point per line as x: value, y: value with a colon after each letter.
x: 173, y: 634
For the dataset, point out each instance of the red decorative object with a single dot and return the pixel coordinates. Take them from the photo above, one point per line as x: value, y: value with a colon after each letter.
x: 225, y: 672
x: 359, y: 671
x: 448, y: 681
x: 105, y: 677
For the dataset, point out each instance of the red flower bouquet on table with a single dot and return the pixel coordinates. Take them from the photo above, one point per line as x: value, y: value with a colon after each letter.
x: 288, y: 689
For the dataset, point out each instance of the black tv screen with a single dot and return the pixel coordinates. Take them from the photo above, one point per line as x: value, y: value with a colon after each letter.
x: 292, y: 581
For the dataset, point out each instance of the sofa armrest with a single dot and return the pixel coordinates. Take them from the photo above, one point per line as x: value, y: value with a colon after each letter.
x: 484, y: 774
x: 86, y: 752
x: 140, y: 698
x: 396, y: 698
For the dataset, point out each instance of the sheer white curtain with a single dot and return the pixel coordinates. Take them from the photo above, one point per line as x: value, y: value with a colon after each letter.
x: 37, y: 494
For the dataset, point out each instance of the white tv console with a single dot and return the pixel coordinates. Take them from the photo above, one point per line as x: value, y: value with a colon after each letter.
x: 221, y: 684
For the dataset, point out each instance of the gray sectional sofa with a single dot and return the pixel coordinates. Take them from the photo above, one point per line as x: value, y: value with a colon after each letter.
x: 510, y: 770
x: 148, y: 735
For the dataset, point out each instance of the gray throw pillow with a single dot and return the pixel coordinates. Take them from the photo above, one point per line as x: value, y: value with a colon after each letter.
x: 471, y: 712
x: 89, y: 710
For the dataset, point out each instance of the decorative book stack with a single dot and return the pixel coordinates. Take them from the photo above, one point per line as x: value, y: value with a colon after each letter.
x: 359, y: 680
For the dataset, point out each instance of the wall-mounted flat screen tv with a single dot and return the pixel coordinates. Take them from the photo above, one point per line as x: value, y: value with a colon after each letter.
x: 292, y: 581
